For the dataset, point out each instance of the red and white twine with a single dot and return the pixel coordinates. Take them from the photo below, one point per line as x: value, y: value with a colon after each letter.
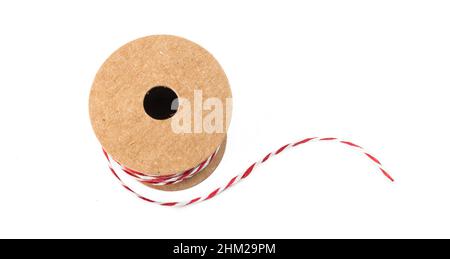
x: 178, y: 177
x: 166, y: 179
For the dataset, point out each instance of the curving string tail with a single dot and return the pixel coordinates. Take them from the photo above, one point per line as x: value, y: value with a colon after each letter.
x: 175, y: 178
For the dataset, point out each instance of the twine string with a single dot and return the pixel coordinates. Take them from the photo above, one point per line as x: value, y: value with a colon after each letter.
x: 159, y: 180
x: 178, y: 177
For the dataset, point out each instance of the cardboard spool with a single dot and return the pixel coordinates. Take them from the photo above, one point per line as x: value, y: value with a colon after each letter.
x: 128, y: 107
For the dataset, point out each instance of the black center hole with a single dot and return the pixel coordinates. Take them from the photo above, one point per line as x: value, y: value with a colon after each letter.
x: 160, y: 102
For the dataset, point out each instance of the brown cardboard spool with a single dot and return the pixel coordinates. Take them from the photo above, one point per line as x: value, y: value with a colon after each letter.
x: 129, y: 134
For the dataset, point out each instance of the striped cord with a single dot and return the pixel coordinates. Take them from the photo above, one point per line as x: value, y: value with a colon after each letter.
x: 165, y: 179
x: 238, y: 178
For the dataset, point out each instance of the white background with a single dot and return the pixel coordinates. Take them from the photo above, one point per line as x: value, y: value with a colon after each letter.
x: 373, y: 72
